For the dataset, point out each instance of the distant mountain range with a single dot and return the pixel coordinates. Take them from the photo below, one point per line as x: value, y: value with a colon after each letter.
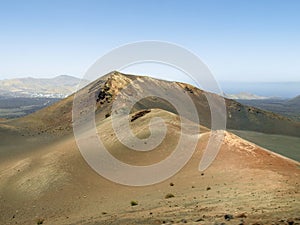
x: 245, y: 95
x: 57, y: 87
x: 268, y: 89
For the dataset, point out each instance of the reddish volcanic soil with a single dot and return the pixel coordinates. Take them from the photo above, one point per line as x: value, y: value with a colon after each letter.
x: 45, y: 179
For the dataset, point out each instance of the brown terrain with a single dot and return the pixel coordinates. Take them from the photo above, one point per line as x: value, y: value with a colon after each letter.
x: 45, y: 180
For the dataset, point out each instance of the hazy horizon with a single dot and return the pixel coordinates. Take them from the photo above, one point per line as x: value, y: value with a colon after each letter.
x: 284, y: 89
x: 146, y: 74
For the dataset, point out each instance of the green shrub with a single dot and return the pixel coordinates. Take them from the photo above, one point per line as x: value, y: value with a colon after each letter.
x: 39, y: 221
x: 133, y: 203
x: 169, y: 196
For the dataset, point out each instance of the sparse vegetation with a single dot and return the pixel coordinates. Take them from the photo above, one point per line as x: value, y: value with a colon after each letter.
x: 169, y: 195
x: 134, y: 203
x: 40, y: 221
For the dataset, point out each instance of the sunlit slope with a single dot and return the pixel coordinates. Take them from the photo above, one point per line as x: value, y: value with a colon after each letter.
x: 55, y: 184
x: 58, y: 117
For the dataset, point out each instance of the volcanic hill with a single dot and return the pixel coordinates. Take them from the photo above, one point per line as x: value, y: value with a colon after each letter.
x: 45, y: 180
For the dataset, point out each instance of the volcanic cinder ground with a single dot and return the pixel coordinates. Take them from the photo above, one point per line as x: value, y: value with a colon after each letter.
x: 45, y: 180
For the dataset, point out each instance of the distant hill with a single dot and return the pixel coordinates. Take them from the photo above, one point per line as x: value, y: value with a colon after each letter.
x: 294, y: 101
x: 57, y: 87
x: 245, y: 95
x: 286, y: 107
x: 269, y: 89
x: 105, y: 90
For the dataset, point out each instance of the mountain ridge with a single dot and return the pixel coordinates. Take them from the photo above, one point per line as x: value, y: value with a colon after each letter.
x: 56, y: 87
x: 239, y: 117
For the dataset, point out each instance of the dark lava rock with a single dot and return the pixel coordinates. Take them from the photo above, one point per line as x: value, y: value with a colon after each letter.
x: 290, y: 221
x: 139, y: 114
x: 101, y: 96
x: 184, y: 221
x: 228, y: 217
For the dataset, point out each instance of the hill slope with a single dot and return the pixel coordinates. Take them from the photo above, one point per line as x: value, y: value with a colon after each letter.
x: 105, y: 90
x: 286, y: 107
x: 52, y: 183
x: 45, y: 179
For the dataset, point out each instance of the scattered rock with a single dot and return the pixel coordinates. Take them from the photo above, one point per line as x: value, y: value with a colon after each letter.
x: 104, y: 95
x: 188, y: 89
x: 241, y: 215
x: 228, y: 217
x: 171, y: 184
x: 290, y: 221
x: 139, y: 114
x: 184, y: 221
x: 101, y: 96
x: 208, y: 188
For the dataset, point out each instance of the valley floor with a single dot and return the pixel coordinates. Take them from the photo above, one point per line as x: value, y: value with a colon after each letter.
x: 285, y: 145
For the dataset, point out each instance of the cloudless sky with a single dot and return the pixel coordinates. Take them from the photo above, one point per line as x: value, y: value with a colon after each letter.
x: 257, y: 40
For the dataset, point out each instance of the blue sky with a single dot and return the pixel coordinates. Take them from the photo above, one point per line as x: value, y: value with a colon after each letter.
x: 257, y: 40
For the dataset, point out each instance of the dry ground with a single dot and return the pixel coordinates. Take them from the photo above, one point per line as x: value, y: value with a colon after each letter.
x: 45, y: 178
